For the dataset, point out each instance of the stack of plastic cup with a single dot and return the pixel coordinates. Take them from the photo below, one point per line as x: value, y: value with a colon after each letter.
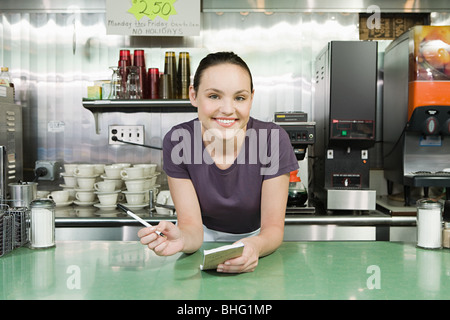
x: 184, y: 75
x: 153, y: 83
x: 170, y: 68
x: 139, y: 62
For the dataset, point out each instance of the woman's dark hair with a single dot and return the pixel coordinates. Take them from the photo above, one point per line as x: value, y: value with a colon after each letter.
x: 217, y: 58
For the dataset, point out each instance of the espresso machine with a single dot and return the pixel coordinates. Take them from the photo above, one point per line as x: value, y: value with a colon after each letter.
x: 345, y: 92
x: 302, y: 134
x: 416, y: 110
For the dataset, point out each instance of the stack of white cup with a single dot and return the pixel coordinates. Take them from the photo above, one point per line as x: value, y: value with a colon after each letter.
x: 79, y: 180
x: 139, y: 180
x: 70, y: 181
x: 109, y: 189
x: 101, y: 185
x: 112, y: 172
x: 87, y: 175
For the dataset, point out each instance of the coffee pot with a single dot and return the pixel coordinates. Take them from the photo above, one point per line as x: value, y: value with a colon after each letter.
x: 297, y: 195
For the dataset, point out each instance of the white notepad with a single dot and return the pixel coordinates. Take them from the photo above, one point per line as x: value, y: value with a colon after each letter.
x: 213, y: 257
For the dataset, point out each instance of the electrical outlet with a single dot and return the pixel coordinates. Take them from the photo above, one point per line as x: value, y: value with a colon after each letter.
x: 134, y: 134
x: 49, y: 169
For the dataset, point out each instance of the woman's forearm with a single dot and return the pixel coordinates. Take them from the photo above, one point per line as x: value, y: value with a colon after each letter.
x: 267, y: 241
x: 189, y: 218
x: 273, y: 207
x: 192, y: 238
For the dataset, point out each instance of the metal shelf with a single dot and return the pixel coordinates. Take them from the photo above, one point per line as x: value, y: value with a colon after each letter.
x: 129, y: 106
x: 98, y: 107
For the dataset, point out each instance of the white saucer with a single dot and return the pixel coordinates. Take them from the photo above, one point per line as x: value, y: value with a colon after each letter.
x: 105, y: 177
x: 142, y: 178
x: 65, y: 174
x: 81, y: 176
x: 129, y: 179
x: 135, y: 206
x: 66, y: 186
x: 107, y: 192
x: 84, y: 190
x: 105, y: 207
x: 131, y: 192
x: 84, y: 204
x: 63, y: 204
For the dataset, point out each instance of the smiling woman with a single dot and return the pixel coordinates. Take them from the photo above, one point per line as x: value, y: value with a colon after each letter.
x: 228, y: 173
x: 223, y: 111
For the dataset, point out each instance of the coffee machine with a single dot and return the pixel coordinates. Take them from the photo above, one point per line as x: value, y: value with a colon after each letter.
x: 416, y: 110
x: 345, y: 92
x: 302, y: 134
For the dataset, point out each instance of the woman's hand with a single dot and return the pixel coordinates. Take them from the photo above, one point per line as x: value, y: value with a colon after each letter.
x: 171, y: 243
x: 247, y: 262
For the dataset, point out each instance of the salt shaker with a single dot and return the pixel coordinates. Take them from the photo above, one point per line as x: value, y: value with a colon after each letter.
x: 42, y: 224
x: 429, y: 224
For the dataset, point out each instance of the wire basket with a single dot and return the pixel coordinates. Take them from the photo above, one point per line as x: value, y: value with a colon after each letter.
x: 14, y: 228
x: 21, y: 226
x: 6, y: 233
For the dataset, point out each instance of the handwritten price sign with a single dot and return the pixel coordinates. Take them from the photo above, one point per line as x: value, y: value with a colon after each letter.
x: 153, y: 17
x: 152, y: 9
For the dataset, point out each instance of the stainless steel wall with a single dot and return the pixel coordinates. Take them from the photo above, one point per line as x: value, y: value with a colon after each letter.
x: 55, y: 51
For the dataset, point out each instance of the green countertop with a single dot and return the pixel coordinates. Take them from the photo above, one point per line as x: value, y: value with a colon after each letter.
x: 297, y: 270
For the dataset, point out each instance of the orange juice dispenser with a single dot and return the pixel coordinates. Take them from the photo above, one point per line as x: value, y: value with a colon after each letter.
x: 416, y: 110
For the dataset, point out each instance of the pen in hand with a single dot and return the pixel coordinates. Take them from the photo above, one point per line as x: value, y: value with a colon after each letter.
x: 131, y: 214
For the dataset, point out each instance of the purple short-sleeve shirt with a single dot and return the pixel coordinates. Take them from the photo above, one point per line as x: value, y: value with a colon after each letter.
x: 230, y: 199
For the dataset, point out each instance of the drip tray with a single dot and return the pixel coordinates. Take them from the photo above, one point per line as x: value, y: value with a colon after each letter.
x: 427, y: 179
x: 300, y: 210
x: 443, y: 173
x: 395, y: 207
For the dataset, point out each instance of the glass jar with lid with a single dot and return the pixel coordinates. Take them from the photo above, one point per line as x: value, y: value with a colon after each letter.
x: 429, y: 224
x: 42, y: 223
